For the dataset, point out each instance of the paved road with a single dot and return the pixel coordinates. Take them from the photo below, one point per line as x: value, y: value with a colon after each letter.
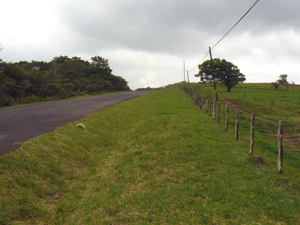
x: 19, y: 124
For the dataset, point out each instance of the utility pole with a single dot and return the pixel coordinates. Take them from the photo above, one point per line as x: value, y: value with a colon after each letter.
x: 213, y: 73
x: 188, y: 77
x: 183, y: 70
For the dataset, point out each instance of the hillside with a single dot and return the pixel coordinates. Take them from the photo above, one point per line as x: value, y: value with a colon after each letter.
x: 156, y: 159
x: 262, y: 99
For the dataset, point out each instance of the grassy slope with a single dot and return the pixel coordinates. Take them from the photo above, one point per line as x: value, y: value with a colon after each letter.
x: 258, y: 99
x: 155, y: 159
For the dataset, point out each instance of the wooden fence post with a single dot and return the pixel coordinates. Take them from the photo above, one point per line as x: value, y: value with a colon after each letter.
x: 227, y: 117
x: 272, y: 103
x: 218, y: 112
x: 209, y: 107
x: 200, y: 102
x: 252, y: 133
x: 214, y: 109
x: 196, y: 98
x: 280, y: 148
x: 237, y: 125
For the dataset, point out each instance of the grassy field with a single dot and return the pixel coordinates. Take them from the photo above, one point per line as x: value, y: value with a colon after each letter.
x: 257, y: 98
x: 156, y: 159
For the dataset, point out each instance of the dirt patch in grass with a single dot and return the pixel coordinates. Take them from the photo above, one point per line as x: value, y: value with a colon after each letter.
x: 288, y: 138
x: 258, y: 160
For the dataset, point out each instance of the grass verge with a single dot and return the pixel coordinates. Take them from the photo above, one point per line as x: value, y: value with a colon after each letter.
x: 155, y: 159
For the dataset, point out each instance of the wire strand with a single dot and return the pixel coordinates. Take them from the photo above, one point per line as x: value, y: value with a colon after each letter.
x: 204, y: 30
x: 199, y: 62
x: 160, y: 79
x: 235, y: 24
x: 168, y: 76
x: 228, y: 32
x: 220, y: 18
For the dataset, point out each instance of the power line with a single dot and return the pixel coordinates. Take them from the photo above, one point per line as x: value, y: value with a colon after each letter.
x: 199, y: 62
x: 161, y: 78
x: 204, y: 30
x: 228, y: 31
x: 212, y: 31
x: 167, y: 76
x: 235, y: 24
x: 208, y: 36
x: 220, y: 18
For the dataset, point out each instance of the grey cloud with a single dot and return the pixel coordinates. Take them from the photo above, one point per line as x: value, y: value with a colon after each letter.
x: 268, y: 34
x: 140, y: 25
x: 268, y: 15
x: 169, y: 26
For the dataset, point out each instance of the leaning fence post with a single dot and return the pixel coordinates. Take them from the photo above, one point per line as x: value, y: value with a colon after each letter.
x: 226, y: 121
x: 214, y: 109
x: 237, y: 125
x: 272, y: 103
x: 218, y: 112
x: 200, y: 102
x: 196, y: 98
x: 280, y: 148
x: 252, y: 133
x: 209, y: 107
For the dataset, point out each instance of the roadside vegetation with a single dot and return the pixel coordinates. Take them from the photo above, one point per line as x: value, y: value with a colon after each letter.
x: 156, y: 159
x: 36, y: 81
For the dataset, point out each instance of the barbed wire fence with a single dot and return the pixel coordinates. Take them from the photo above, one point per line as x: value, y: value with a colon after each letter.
x: 213, y: 108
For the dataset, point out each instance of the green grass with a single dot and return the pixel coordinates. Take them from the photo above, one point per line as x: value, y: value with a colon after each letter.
x: 258, y: 100
x: 286, y: 104
x: 156, y: 159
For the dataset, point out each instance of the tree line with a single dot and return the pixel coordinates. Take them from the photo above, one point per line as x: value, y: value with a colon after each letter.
x: 63, y: 77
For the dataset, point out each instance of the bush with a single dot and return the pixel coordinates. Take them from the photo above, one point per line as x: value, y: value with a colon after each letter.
x: 6, y: 101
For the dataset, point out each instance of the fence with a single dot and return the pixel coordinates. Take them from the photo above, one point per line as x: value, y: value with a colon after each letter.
x: 208, y: 105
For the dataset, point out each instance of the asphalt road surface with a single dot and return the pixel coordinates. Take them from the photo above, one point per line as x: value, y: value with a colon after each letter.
x: 20, y: 124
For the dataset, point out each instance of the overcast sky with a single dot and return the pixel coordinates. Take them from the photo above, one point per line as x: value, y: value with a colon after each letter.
x: 146, y: 41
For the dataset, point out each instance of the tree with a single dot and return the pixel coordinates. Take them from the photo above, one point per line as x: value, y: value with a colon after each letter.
x: 100, y: 65
x: 282, y: 79
x: 225, y: 72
